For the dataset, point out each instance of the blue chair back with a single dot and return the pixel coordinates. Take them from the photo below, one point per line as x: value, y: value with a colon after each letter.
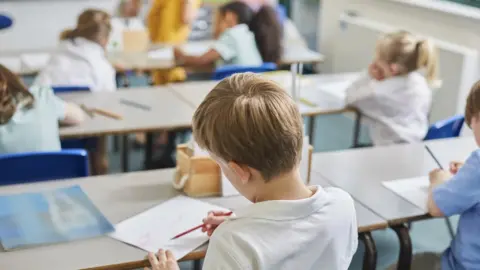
x: 447, y: 128
x: 72, y: 143
x: 5, y: 21
x: 43, y: 166
x: 281, y: 14
x: 225, y: 71
x: 65, y: 89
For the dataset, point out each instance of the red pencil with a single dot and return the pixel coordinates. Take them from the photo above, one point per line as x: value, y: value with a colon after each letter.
x: 195, y: 228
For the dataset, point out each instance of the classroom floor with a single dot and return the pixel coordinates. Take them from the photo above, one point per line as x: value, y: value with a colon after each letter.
x: 334, y: 132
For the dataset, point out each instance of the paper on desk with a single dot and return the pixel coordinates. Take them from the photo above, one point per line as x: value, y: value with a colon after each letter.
x: 229, y: 190
x: 154, y: 228
x: 35, y: 61
x: 414, y: 190
x: 14, y: 64
x: 162, y: 53
x: 195, y: 48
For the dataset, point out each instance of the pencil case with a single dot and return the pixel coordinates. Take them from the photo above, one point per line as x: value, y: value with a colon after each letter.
x: 199, y: 176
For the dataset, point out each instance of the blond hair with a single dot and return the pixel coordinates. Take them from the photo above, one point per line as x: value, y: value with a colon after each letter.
x: 252, y: 121
x: 92, y: 24
x: 409, y: 53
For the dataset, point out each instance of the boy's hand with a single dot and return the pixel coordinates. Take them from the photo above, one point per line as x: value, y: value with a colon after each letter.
x: 375, y: 72
x: 455, y: 166
x: 439, y: 176
x: 179, y: 55
x: 163, y: 260
x: 213, y: 219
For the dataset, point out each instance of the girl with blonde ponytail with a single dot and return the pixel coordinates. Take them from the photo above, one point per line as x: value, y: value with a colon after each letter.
x: 80, y: 59
x: 396, y: 94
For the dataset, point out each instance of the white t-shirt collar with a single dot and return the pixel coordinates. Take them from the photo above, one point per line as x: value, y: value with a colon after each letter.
x: 284, y: 209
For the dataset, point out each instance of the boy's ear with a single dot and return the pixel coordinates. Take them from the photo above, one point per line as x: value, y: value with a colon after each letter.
x: 242, y: 171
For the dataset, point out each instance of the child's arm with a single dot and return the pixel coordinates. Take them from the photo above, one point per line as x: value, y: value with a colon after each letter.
x: 189, y: 11
x: 360, y: 90
x: 207, y: 58
x: 462, y: 192
x: 74, y: 115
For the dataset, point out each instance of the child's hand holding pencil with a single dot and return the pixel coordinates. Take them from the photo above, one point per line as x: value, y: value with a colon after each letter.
x: 213, y: 219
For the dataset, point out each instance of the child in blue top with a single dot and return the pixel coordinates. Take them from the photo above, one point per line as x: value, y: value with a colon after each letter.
x: 246, y: 38
x: 458, y: 193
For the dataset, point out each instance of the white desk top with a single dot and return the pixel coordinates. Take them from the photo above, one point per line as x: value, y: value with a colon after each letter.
x: 327, y: 92
x: 32, y: 61
x: 118, y: 197
x: 360, y: 172
x: 167, y: 112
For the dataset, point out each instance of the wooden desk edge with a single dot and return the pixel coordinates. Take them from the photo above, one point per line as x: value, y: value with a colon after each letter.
x: 196, y: 255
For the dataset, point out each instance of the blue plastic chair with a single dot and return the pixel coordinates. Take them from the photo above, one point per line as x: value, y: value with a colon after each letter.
x: 72, y: 143
x: 281, y: 13
x: 225, y: 71
x: 447, y: 128
x: 443, y: 129
x: 43, y: 166
x: 5, y: 21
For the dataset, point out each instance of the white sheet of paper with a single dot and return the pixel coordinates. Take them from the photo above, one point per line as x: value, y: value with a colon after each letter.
x: 154, y: 228
x: 414, y: 190
x: 12, y: 63
x: 195, y: 48
x: 35, y: 61
x: 162, y: 53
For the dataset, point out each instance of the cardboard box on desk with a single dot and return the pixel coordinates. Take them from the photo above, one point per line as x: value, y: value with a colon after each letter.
x: 200, y: 176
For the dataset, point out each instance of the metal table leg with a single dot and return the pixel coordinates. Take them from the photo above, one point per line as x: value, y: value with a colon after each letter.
x: 370, y: 257
x: 356, y: 129
x: 197, y: 265
x: 311, y: 129
x: 149, y: 149
x: 125, y: 153
x: 405, y: 256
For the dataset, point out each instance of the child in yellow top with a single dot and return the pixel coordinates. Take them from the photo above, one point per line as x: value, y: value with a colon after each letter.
x: 169, y: 22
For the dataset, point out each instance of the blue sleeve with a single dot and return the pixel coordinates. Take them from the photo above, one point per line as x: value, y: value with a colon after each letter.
x: 225, y: 46
x: 462, y: 192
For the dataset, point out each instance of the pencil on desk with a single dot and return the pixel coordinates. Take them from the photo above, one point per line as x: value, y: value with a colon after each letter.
x: 107, y: 114
x: 88, y: 111
x: 135, y: 104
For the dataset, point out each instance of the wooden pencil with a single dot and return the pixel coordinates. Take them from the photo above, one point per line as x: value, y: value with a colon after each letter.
x: 107, y: 113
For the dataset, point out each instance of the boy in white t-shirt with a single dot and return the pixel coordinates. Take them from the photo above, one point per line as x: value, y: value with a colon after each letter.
x: 254, y: 131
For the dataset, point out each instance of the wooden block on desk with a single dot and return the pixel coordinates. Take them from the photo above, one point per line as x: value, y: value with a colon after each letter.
x: 203, y: 176
x: 135, y: 41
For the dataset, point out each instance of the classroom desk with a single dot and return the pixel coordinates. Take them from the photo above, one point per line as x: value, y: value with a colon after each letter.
x: 360, y: 172
x: 119, y: 197
x: 166, y: 112
x: 294, y: 53
x: 321, y: 101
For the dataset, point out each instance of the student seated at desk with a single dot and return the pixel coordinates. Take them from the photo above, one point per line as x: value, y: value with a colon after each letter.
x: 81, y: 59
x: 253, y: 130
x: 396, y: 93
x: 458, y: 193
x: 246, y: 38
x: 29, y: 117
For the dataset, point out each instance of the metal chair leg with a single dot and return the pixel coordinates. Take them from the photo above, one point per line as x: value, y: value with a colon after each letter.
x: 356, y: 129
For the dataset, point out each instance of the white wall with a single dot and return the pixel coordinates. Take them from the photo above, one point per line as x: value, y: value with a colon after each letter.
x: 37, y: 24
x: 436, y: 18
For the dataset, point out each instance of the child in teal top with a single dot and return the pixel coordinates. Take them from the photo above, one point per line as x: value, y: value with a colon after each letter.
x: 245, y: 38
x: 29, y: 117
